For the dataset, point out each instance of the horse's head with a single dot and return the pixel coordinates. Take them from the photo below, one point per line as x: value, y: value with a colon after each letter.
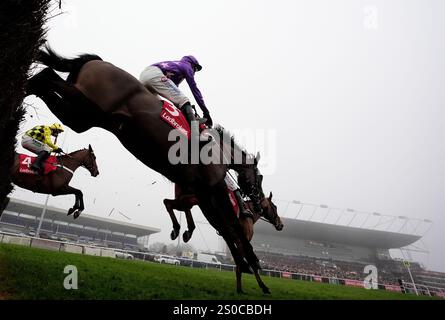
x: 250, y: 181
x: 270, y: 212
x: 89, y: 161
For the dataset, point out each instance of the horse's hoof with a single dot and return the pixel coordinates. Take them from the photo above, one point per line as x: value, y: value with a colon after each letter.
x: 77, y: 214
x: 174, y: 234
x: 266, y: 291
x: 186, y: 236
x: 70, y: 211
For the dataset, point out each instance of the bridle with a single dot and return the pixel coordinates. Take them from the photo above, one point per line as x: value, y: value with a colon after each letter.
x: 81, y: 163
x: 252, y: 187
x: 262, y: 216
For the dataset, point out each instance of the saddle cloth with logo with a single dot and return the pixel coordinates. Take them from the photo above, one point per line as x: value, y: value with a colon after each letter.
x: 27, y: 161
x: 174, y: 117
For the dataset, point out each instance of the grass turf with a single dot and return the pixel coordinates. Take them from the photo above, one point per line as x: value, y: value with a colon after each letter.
x: 29, y: 273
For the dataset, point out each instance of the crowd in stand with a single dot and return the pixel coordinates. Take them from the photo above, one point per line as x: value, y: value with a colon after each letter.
x: 388, y: 272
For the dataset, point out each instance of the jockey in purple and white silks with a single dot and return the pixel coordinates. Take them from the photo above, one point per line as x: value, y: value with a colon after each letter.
x: 165, y: 77
x: 233, y: 186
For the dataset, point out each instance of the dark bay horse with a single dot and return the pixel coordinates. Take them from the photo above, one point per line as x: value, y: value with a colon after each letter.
x: 99, y: 94
x: 247, y: 176
x: 57, y: 182
x: 185, y: 202
x: 268, y: 214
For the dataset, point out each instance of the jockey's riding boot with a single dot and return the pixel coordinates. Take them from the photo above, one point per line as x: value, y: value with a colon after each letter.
x: 242, y: 206
x: 38, y: 164
x: 189, y: 113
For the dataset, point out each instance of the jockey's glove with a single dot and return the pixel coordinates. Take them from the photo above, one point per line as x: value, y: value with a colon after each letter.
x: 58, y: 150
x: 209, y: 119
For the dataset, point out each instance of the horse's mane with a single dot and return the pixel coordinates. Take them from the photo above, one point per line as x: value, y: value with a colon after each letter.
x: 71, y: 153
x: 225, y: 135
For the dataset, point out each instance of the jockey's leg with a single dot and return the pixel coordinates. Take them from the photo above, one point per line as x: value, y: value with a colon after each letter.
x: 187, y: 110
x: 154, y: 80
x: 242, y: 206
x: 189, y: 113
x: 38, y: 164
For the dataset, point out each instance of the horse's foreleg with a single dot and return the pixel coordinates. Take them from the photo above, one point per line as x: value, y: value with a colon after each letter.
x: 190, y: 226
x: 78, y: 203
x: 169, y: 206
x: 63, y: 99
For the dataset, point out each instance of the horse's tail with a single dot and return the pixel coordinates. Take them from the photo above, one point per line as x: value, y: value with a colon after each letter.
x: 50, y: 58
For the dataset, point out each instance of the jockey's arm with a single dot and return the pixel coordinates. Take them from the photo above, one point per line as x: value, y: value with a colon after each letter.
x: 196, y: 93
x: 47, y: 139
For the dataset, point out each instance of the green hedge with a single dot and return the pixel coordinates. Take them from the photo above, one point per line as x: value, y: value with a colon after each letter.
x: 21, y: 34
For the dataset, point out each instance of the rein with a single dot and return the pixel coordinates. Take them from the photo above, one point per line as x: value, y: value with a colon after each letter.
x: 80, y: 162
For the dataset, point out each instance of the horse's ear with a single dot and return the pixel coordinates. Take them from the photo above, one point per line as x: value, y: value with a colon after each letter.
x: 258, y: 157
x: 89, y: 148
x: 270, y: 196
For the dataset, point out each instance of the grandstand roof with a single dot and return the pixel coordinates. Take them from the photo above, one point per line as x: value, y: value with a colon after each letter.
x: 87, y: 220
x: 323, y: 232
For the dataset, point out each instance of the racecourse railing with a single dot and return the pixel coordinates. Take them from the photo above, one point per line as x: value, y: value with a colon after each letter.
x: 89, y: 249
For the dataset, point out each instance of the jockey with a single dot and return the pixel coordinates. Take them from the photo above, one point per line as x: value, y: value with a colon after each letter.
x: 165, y: 77
x: 38, y: 140
x: 231, y: 185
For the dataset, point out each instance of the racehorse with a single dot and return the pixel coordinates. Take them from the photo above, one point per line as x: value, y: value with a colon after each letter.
x: 99, y: 94
x: 268, y: 214
x: 185, y: 202
x: 57, y: 182
x: 248, y: 178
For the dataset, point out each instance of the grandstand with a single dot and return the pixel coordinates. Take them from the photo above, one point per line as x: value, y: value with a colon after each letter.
x: 339, y: 251
x: 23, y: 217
x: 304, y: 249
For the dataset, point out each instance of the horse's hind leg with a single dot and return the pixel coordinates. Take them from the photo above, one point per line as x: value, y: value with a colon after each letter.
x: 261, y: 283
x: 238, y: 280
x: 170, y: 205
x: 67, y: 102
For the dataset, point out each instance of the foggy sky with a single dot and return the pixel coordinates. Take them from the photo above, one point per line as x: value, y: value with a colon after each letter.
x: 351, y: 89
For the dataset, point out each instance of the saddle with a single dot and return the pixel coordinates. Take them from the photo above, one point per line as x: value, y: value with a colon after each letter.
x: 175, y: 118
x: 26, y: 162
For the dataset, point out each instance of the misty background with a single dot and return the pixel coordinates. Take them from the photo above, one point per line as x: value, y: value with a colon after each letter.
x: 347, y: 95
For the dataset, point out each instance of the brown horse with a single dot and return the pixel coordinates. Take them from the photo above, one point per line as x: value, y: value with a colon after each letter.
x: 270, y: 215
x: 99, y: 94
x: 268, y: 212
x: 247, y: 177
x: 185, y: 202
x: 57, y: 182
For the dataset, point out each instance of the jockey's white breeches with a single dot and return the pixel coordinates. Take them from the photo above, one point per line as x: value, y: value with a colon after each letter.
x: 34, y: 145
x: 231, y: 184
x: 152, y: 77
